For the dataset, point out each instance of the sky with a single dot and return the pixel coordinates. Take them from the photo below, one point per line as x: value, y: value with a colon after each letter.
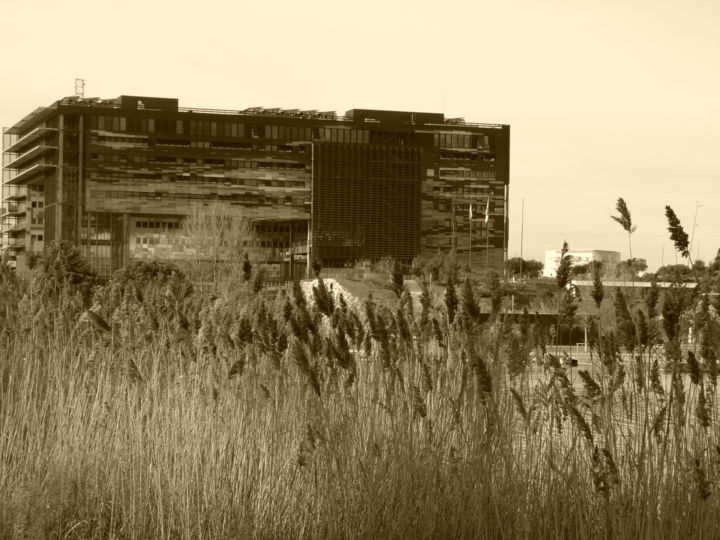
x: 619, y: 98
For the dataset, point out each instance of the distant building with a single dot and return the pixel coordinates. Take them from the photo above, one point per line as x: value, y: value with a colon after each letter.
x: 579, y: 257
x: 116, y: 177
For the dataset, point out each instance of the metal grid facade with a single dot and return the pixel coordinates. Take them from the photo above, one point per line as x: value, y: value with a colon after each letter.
x: 365, y: 202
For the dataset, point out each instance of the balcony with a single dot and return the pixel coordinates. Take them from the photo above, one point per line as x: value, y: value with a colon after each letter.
x: 24, y: 176
x: 14, y: 193
x: 13, y: 209
x: 15, y: 243
x: 28, y: 156
x: 14, y: 226
x: 33, y: 136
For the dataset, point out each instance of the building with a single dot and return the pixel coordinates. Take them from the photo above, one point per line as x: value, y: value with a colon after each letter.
x: 117, y: 176
x: 579, y: 257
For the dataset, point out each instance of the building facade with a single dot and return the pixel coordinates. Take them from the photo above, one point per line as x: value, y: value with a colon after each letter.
x: 117, y: 177
x: 579, y: 257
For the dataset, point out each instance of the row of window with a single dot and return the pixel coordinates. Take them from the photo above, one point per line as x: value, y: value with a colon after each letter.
x: 328, y: 134
x: 474, y: 190
x: 452, y: 148
x: 278, y: 132
x: 463, y: 209
x: 240, y: 198
x: 110, y: 123
x: 279, y: 228
x: 181, y: 241
x: 229, y: 129
x: 232, y: 163
x: 199, y: 179
x: 461, y: 140
x: 111, y: 139
x: 165, y: 225
x: 213, y: 129
x: 459, y: 155
x: 183, y: 143
x: 158, y: 225
x: 484, y: 175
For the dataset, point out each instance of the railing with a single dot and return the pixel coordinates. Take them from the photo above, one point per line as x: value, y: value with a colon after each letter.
x: 270, y: 112
x: 34, y: 152
x: 30, y: 172
x: 15, y: 242
x: 470, y: 124
x: 107, y: 103
x: 32, y: 136
x: 14, y: 209
x: 14, y: 192
x: 18, y: 226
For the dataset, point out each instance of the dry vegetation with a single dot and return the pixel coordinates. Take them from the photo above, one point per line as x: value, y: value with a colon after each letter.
x: 145, y: 409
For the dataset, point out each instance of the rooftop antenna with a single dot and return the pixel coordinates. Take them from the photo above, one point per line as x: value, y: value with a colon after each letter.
x: 80, y: 88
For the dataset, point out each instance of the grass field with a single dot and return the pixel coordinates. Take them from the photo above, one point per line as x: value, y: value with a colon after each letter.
x: 145, y: 409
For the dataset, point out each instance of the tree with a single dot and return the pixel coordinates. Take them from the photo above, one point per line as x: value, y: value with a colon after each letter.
x: 699, y: 268
x: 220, y: 238
x: 714, y: 266
x: 636, y: 266
x: 630, y: 268
x: 532, y: 268
x: 674, y: 273
x: 519, y: 267
x: 562, y: 276
x: 580, y: 270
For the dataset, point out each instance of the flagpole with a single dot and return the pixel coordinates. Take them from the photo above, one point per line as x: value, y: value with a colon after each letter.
x: 452, y: 208
x: 522, y: 230
x: 487, y: 248
x: 487, y: 236
x: 470, y: 216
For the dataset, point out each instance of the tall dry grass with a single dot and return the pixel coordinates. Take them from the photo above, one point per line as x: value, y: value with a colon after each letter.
x: 160, y: 412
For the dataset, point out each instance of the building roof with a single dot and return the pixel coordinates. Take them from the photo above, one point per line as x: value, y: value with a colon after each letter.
x: 365, y: 116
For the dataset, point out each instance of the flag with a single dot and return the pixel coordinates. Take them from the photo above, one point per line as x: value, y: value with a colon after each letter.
x: 470, y: 211
x: 487, y: 211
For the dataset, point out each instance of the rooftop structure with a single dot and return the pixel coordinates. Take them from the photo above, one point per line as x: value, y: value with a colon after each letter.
x: 579, y: 257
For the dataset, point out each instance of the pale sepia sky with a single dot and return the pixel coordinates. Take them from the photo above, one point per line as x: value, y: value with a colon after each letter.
x: 604, y: 99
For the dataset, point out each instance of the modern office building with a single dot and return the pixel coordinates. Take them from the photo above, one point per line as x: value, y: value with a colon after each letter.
x: 117, y: 177
x: 579, y: 257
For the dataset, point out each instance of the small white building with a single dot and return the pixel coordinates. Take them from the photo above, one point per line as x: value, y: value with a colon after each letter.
x: 552, y: 259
